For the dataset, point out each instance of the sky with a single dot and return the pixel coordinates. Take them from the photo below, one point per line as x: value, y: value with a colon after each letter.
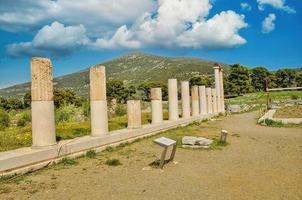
x: 77, y: 34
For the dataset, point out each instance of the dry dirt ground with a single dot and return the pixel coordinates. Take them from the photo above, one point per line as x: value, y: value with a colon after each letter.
x: 259, y: 163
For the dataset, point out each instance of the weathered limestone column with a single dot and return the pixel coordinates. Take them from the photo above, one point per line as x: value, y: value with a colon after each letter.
x: 195, y: 101
x: 98, y: 102
x: 222, y: 91
x: 134, y: 114
x: 209, y: 100
x: 202, y: 100
x: 156, y: 105
x: 185, y: 99
x: 217, y: 86
x: 173, y: 99
x: 214, y: 99
x: 42, y: 105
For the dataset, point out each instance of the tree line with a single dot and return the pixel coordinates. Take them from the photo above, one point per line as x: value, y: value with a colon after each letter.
x: 240, y: 80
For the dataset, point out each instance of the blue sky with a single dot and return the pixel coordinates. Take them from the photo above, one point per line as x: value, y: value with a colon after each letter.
x: 78, y: 34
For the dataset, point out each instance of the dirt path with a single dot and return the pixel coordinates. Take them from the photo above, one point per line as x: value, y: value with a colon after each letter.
x: 259, y: 163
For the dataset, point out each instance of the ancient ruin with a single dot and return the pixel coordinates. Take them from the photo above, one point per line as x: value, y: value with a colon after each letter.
x: 205, y: 103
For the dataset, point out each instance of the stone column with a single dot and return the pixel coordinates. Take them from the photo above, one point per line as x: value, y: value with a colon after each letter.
x: 217, y: 86
x: 42, y: 105
x: 156, y: 105
x: 209, y: 100
x: 173, y: 99
x: 185, y: 99
x: 98, y: 101
x: 214, y: 100
x: 134, y: 114
x: 222, y: 91
x: 195, y: 101
x: 202, y: 100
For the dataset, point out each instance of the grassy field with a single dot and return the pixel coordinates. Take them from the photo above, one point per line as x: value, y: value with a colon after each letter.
x: 261, y: 97
x: 15, y: 137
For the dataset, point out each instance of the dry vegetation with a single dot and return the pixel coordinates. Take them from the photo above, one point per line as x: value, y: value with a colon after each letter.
x: 289, y: 112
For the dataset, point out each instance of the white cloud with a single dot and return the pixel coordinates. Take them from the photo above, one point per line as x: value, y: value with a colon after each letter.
x: 268, y: 24
x: 278, y: 4
x: 245, y: 6
x: 55, y: 39
x: 181, y: 24
x: 174, y: 24
x: 30, y: 15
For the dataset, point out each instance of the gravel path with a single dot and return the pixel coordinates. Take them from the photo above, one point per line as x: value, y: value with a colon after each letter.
x: 260, y: 163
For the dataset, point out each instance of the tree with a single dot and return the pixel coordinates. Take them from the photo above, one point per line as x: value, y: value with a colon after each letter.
x: 117, y: 90
x: 259, y: 76
x: 27, y: 100
x: 286, y: 78
x: 201, y: 80
x: 239, y: 81
x: 64, y: 97
x: 145, y: 89
x: 299, y: 80
x: 14, y: 104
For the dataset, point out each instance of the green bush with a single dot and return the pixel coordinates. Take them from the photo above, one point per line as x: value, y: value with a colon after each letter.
x: 4, y: 119
x: 113, y: 162
x: 294, y: 97
x: 68, y: 113
x: 68, y: 161
x: 120, y: 110
x: 24, y: 118
x: 91, y: 154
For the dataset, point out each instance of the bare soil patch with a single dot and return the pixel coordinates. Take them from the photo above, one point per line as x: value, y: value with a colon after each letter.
x: 259, y: 163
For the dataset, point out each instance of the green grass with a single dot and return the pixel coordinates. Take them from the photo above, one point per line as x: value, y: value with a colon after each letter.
x: 14, y: 137
x: 260, y: 97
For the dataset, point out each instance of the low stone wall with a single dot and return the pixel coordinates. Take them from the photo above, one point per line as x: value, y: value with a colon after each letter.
x: 270, y: 115
x: 28, y: 159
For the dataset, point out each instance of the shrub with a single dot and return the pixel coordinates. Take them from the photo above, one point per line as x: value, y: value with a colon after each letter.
x: 68, y: 113
x: 294, y: 97
x: 113, y: 162
x: 120, y: 110
x: 68, y: 161
x: 24, y: 118
x: 91, y: 153
x: 4, y: 119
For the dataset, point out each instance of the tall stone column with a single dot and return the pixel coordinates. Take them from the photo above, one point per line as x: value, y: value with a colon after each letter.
x: 195, y: 101
x: 98, y: 101
x: 42, y: 105
x: 209, y: 100
x: 134, y: 114
x: 173, y: 99
x: 217, y: 86
x: 185, y: 99
x: 214, y: 100
x: 202, y: 100
x: 156, y: 105
x: 222, y: 91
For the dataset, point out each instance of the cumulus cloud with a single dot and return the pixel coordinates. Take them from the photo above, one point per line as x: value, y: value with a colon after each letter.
x: 55, y: 39
x: 173, y: 24
x: 268, y: 24
x: 179, y: 24
x: 30, y: 15
x: 245, y: 6
x: 278, y: 4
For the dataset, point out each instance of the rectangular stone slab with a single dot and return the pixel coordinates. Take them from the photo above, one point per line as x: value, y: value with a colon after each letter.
x: 165, y: 142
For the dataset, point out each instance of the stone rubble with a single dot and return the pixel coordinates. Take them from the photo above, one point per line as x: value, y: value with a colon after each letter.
x: 196, y: 142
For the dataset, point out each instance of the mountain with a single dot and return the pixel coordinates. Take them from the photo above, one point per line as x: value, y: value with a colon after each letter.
x: 133, y: 68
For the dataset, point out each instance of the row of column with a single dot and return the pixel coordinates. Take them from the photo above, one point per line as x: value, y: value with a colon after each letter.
x: 203, y: 101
